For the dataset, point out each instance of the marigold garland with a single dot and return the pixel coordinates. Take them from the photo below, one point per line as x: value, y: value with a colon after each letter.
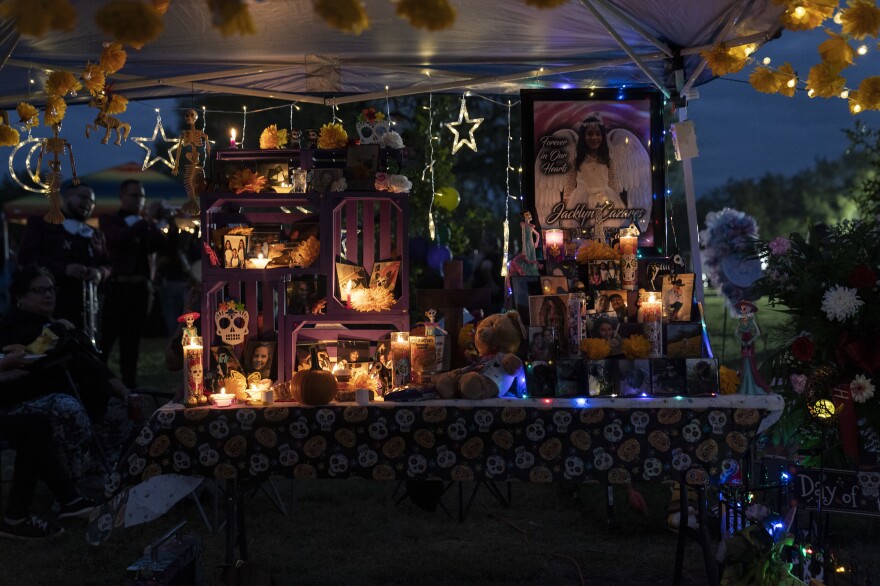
x: 56, y: 108
x: 804, y: 16
x: 348, y: 16
x: 867, y: 97
x: 27, y: 114
x: 723, y: 60
x: 93, y: 78
x: 824, y: 81
x: 113, y: 58
x: 130, y: 22
x: 596, y: 250
x: 61, y: 83
x: 8, y: 135
x: 332, y: 136
x: 837, y: 51
x: 595, y: 348
x: 245, y: 180
x: 729, y: 380
x: 636, y: 346
x: 861, y: 19
x: 432, y: 15
x: 36, y: 21
x: 372, y: 299
x: 117, y: 104
x: 232, y: 17
x: 768, y: 81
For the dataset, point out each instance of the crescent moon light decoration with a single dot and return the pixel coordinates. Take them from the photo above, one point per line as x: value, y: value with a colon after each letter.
x: 34, y: 185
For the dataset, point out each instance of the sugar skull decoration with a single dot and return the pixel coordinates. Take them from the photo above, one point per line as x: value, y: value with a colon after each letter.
x: 629, y: 246
x: 231, y: 320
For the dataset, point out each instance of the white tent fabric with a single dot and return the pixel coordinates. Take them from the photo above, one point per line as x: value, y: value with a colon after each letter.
x: 495, y: 46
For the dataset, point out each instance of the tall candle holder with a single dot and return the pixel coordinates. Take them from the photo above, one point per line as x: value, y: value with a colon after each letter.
x: 193, y: 379
x: 629, y: 246
x: 400, y: 359
x: 652, y: 318
x: 554, y: 244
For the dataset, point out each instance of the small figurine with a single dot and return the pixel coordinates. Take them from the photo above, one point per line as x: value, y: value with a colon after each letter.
x: 526, y: 262
x: 111, y: 123
x: 194, y: 175
x: 751, y: 381
x: 56, y: 147
x: 189, y: 330
x: 432, y: 326
x: 381, y: 374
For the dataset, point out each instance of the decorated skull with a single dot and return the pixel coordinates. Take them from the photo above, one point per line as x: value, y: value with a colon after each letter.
x: 246, y: 418
x: 259, y: 464
x: 870, y: 483
x: 562, y: 419
x: 613, y: 432
x: 136, y: 464
x: 680, y: 460
x: 445, y: 457
x: 523, y: 458
x: 574, y: 467
x: 338, y: 464
x: 405, y: 419
x: 416, y: 465
x: 602, y: 460
x: 299, y: 428
x: 180, y: 461
x: 219, y: 428
x: 457, y: 430
x: 165, y: 418
x: 378, y: 430
x: 325, y: 418
x: 652, y: 467
x: 495, y: 466
x: 484, y: 419
x: 144, y: 437
x: 286, y: 456
x: 231, y: 320
x: 112, y: 484
x: 717, y: 420
x: 640, y: 421
x: 691, y: 432
x: 367, y: 458
x: 535, y: 431
x: 105, y: 522
x: 208, y: 456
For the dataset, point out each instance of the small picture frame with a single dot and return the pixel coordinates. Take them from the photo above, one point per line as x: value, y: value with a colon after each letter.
x: 570, y: 377
x: 542, y: 343
x: 551, y: 311
x: 651, y: 270
x: 522, y: 287
x: 259, y: 356
x: 304, y: 357
x: 602, y: 274
x: 600, y: 378
x: 306, y: 295
x: 607, y: 327
x: 384, y: 274
x: 554, y: 285
x: 668, y: 377
x: 234, y: 254
x: 261, y: 241
x: 633, y: 377
x: 361, y: 164
x: 684, y: 340
x: 678, y: 293
x: 353, y: 351
x: 616, y: 303
x: 277, y: 174
x: 326, y: 180
x: 225, y: 360
x: 350, y: 277
x: 541, y: 379
x: 702, y: 377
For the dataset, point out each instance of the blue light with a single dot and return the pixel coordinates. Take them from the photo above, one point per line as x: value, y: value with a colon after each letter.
x: 785, y: 476
x: 580, y: 402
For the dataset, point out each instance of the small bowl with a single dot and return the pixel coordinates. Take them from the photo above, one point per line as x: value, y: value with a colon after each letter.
x: 222, y: 401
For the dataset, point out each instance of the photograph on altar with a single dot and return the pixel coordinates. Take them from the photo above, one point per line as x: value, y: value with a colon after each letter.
x: 522, y: 288
x: 678, y: 292
x: 633, y: 377
x: 551, y: 311
x: 235, y: 248
x: 594, y: 160
x: 684, y: 340
x: 225, y: 361
x: 668, y: 376
x: 570, y: 377
x: 384, y: 274
x: 542, y: 343
x: 259, y: 356
x: 702, y: 377
x: 603, y: 274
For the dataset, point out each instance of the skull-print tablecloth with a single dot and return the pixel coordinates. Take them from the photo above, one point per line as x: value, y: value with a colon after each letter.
x: 533, y: 440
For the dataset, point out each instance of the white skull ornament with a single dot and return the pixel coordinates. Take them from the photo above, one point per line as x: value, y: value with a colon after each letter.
x: 232, y: 322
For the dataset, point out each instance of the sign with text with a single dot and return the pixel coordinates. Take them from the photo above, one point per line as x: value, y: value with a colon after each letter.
x: 837, y: 491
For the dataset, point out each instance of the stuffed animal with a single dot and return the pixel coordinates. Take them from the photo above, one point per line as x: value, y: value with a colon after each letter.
x: 497, y: 338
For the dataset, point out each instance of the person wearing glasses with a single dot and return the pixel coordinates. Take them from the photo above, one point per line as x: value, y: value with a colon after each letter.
x: 74, y: 252
x: 64, y: 376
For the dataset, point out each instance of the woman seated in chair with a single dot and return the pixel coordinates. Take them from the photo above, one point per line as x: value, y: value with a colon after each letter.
x: 65, y: 376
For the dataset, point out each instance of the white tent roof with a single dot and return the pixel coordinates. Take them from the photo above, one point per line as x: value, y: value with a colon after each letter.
x: 495, y: 46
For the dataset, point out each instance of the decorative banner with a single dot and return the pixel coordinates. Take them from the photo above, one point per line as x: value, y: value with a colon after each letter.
x: 463, y: 116
x: 837, y: 491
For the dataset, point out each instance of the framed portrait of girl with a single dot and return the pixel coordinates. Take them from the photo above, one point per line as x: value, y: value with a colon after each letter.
x: 593, y: 160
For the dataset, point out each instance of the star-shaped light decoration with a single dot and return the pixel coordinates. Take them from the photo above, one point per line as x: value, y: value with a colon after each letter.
x: 463, y: 116
x: 142, y: 141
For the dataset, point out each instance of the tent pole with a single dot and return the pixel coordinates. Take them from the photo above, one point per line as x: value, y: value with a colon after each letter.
x: 636, y: 26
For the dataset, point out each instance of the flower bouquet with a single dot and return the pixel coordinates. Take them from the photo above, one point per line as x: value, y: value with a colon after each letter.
x: 827, y: 283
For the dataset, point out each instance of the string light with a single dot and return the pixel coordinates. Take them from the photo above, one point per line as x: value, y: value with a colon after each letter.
x: 243, y: 124
x: 862, y: 50
x: 507, y: 198
x: 430, y: 167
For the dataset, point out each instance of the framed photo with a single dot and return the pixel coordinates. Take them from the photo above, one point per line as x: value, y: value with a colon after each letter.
x: 554, y: 285
x: 603, y: 274
x: 616, y: 303
x: 651, y: 271
x: 702, y: 377
x: 667, y: 376
x: 594, y: 159
x: 277, y: 174
x: 350, y: 277
x: 633, y: 377
x: 361, y: 164
x: 678, y: 294
x: 523, y: 287
x: 600, y: 378
x: 684, y: 340
x: 259, y: 356
x: 607, y: 327
x: 542, y: 343
x: 541, y: 379
x: 570, y: 377
x: 261, y: 241
x: 306, y: 295
x: 304, y: 357
x: 225, y: 360
x: 235, y: 248
x: 353, y: 351
x: 384, y: 274
x: 551, y: 311
x: 326, y: 180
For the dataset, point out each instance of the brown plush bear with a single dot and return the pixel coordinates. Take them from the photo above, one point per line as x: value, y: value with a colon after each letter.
x: 497, y: 338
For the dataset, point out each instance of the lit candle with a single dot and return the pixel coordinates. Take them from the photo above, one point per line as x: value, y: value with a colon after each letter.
x: 348, y: 294
x: 192, y: 372
x: 259, y: 262
x: 629, y: 245
x: 222, y: 399
x: 232, y: 143
x: 400, y: 359
x: 652, y: 317
x: 554, y: 244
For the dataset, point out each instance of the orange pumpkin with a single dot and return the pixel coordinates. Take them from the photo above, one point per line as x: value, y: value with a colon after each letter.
x: 313, y: 386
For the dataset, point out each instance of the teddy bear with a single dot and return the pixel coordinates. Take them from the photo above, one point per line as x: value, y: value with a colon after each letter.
x: 497, y: 339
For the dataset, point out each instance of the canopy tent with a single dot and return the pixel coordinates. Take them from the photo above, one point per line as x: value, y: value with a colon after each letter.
x: 495, y: 46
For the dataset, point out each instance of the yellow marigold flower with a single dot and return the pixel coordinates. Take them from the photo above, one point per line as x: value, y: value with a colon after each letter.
x: 466, y: 335
x: 807, y: 15
x: 332, y: 136
x: 113, y: 58
x: 348, y: 16
x: 118, y: 104
x: 861, y: 19
x: 36, y: 21
x: 56, y: 108
x: 269, y: 137
x: 61, y: 83
x: 836, y: 51
x: 729, y: 380
x: 763, y: 80
x: 231, y: 17
x: 93, y: 78
x: 8, y: 135
x: 824, y: 80
x: 432, y: 15
x: 130, y: 22
x: 636, y: 346
x: 28, y: 115
x: 595, y: 348
x: 867, y: 97
x: 723, y: 60
x: 246, y: 180
x: 596, y: 250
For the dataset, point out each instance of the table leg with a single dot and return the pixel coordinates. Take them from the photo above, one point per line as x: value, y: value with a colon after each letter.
x: 682, y: 526
x: 230, y: 521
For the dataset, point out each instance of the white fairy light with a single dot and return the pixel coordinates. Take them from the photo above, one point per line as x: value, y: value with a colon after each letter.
x: 430, y: 167
x: 844, y: 94
x: 862, y: 50
x: 766, y: 61
x: 243, y: 124
x: 507, y: 199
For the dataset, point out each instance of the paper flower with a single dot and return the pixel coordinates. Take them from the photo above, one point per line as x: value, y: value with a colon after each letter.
x: 767, y: 81
x: 798, y: 382
x: 381, y: 183
x: 61, y: 83
x: 803, y: 349
x: 392, y: 140
x: 113, y: 58
x: 861, y: 19
x: 370, y: 115
x: 596, y: 250
x: 867, y: 97
x: 825, y: 81
x: 841, y: 303
x: 729, y: 380
x: 348, y: 16
x: 372, y: 299
x: 306, y: 253
x: 723, y: 60
x: 780, y: 245
x: 836, y: 51
x: 636, y: 346
x: 272, y: 138
x: 93, y: 78
x: 399, y: 184
x: 56, y: 108
x: 8, y: 136
x: 130, y: 22
x: 332, y: 136
x: 432, y: 15
x: 595, y: 348
x: 27, y: 114
x: 117, y: 105
x: 808, y: 15
x: 36, y: 21
x: 232, y: 17
x: 245, y: 180
x: 861, y: 388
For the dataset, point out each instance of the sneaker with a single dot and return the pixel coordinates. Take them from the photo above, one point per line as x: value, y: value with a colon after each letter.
x: 78, y: 507
x: 31, y: 527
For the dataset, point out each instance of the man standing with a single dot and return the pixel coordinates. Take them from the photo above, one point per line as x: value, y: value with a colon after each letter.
x: 133, y: 239
x: 74, y: 252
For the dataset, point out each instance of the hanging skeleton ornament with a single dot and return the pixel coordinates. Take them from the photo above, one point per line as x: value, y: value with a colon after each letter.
x: 106, y: 107
x: 231, y: 320
x: 194, y: 173
x: 56, y: 147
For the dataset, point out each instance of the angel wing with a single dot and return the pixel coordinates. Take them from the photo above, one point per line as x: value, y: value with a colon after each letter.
x: 632, y: 168
x: 557, y: 153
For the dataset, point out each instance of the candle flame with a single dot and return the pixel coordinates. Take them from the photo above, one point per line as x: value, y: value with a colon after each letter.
x: 232, y: 134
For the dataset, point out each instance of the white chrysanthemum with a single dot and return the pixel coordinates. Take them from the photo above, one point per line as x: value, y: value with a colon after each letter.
x: 399, y: 184
x: 861, y: 388
x: 392, y: 140
x: 841, y: 303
